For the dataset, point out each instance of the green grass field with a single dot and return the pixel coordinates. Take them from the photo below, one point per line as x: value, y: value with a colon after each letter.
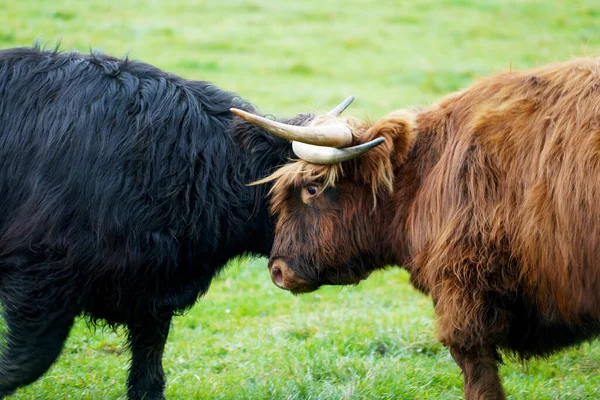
x: 247, y: 339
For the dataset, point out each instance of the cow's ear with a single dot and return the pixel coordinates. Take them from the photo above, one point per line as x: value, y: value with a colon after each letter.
x: 377, y: 167
x: 397, y: 128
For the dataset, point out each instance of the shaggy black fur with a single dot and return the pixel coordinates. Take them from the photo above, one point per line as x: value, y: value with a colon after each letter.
x: 122, y: 193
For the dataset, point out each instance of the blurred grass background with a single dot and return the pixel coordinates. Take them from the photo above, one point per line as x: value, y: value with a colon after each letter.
x: 247, y: 339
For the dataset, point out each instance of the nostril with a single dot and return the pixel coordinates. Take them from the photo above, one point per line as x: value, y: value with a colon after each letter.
x: 277, y: 276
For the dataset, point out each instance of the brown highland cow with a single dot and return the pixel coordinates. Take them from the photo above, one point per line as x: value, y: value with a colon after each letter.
x: 490, y: 199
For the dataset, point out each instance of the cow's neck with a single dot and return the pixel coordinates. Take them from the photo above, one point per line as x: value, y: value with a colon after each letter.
x: 259, y: 154
x: 405, y: 236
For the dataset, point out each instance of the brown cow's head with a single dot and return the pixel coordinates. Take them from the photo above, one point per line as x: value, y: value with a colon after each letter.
x: 330, y: 214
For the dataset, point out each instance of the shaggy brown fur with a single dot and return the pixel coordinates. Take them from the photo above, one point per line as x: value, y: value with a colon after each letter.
x: 490, y: 199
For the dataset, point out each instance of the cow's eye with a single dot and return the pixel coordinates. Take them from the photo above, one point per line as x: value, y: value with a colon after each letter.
x: 310, y: 191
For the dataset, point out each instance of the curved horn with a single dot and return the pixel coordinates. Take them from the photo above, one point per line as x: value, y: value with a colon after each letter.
x: 331, y: 155
x: 335, y: 135
x: 339, y: 109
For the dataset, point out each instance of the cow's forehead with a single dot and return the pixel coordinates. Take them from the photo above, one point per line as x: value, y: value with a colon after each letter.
x: 298, y: 173
x: 302, y: 172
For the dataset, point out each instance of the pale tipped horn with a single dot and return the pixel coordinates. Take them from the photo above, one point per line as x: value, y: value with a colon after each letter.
x: 339, y: 109
x: 331, y: 155
x: 335, y: 135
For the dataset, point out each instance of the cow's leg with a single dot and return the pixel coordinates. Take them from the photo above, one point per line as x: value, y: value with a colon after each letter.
x: 147, y: 339
x: 480, y: 372
x: 38, y: 317
x: 470, y: 324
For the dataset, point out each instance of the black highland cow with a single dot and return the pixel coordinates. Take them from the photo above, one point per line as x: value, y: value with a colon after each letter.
x: 123, y: 191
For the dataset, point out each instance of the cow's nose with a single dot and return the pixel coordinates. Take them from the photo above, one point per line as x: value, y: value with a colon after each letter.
x: 280, y: 273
